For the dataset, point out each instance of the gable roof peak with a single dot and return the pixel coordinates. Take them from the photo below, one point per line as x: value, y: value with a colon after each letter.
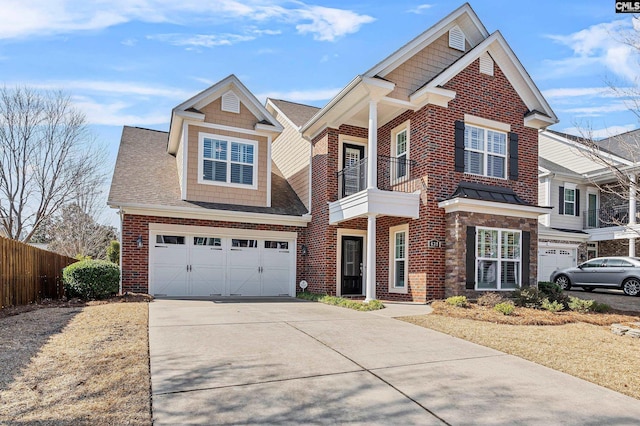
x: 464, y: 17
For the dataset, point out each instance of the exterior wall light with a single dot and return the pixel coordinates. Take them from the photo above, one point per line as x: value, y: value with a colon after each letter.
x: 140, y: 241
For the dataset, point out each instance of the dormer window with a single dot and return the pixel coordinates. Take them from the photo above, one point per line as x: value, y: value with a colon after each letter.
x: 227, y: 161
x: 231, y: 102
x: 456, y: 38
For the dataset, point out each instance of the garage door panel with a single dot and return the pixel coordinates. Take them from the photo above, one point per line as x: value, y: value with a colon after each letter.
x: 210, y: 265
x: 244, y: 268
x: 207, y: 260
x: 276, y: 270
x: 169, y: 280
x: 555, y: 258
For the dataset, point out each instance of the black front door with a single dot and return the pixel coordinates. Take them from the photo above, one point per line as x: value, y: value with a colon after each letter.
x: 354, y: 171
x: 351, y: 265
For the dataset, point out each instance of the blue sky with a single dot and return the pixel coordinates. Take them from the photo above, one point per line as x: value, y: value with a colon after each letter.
x: 128, y: 62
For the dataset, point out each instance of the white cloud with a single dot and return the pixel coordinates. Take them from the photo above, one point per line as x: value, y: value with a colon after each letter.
x: 201, y: 40
x: 328, y: 24
x: 575, y: 92
x: 112, y: 88
x: 301, y: 95
x: 600, y: 133
x: 116, y: 114
x: 600, y: 44
x: 28, y: 18
x: 129, y: 42
x: 420, y: 9
x: 599, y: 110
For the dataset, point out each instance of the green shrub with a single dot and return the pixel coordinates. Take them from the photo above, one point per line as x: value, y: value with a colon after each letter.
x: 601, y: 308
x: 113, y: 252
x: 553, y: 292
x: 553, y: 306
x: 580, y: 305
x: 490, y: 299
x: 91, y: 279
x: 459, y: 301
x: 505, y: 308
x: 529, y: 297
x: 357, y: 305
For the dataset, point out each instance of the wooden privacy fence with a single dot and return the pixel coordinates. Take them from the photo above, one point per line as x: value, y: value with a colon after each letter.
x: 29, y: 274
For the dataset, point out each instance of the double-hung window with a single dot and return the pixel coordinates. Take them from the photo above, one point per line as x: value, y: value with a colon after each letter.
x: 485, y: 152
x: 400, y: 153
x: 569, y: 200
x: 498, y: 259
x: 398, y: 244
x: 226, y: 160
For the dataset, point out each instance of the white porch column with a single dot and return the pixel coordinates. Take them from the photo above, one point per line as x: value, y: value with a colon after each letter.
x: 370, y: 289
x: 632, y: 212
x: 372, y: 162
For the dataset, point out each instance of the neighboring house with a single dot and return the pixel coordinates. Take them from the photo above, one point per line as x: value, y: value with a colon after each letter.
x: 585, y: 221
x: 418, y: 180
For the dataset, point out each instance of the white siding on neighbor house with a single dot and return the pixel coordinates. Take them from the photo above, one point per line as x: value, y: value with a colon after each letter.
x: 565, y: 221
x: 290, y: 153
x: 565, y: 155
x: 179, y: 163
x: 543, y: 186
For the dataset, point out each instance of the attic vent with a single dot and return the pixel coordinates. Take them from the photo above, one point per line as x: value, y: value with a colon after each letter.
x: 231, y: 102
x: 456, y: 38
x: 486, y: 64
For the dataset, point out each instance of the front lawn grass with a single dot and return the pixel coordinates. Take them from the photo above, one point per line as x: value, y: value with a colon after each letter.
x: 86, y: 365
x: 580, y: 344
x: 357, y: 305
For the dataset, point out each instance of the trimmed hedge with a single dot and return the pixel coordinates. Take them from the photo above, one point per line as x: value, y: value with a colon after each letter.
x: 91, y: 279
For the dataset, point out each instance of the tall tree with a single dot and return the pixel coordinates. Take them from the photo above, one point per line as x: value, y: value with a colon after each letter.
x: 46, y: 153
x: 75, y: 233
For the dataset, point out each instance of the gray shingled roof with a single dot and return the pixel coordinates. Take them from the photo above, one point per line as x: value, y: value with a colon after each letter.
x: 625, y: 145
x: 299, y: 114
x: 146, y: 175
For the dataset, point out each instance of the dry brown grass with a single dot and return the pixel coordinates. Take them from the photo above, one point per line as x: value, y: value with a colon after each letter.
x: 524, y: 316
x: 80, y: 365
x: 586, y: 350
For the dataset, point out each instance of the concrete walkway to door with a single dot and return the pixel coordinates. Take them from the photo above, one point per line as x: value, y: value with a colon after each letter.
x: 284, y: 361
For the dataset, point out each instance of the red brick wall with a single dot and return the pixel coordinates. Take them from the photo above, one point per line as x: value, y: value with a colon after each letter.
x: 432, y: 146
x: 135, y: 260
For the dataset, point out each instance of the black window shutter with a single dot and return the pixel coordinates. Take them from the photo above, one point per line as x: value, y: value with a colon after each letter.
x: 526, y: 249
x: 459, y: 140
x: 561, y: 200
x: 513, y: 156
x: 577, y: 205
x: 471, y: 258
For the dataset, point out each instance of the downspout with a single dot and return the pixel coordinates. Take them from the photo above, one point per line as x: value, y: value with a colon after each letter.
x: 121, y: 214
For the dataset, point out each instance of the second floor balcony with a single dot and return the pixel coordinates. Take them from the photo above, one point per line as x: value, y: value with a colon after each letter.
x: 396, y: 192
x: 610, y: 216
x: 394, y: 174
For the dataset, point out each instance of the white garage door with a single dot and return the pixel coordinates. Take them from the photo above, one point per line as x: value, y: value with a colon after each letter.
x: 551, y: 259
x: 210, y: 265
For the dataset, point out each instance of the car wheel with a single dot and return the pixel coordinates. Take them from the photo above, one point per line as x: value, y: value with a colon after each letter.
x: 588, y: 289
x: 563, y: 282
x: 631, y: 287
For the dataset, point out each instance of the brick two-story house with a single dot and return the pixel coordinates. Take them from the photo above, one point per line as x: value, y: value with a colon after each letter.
x: 418, y: 180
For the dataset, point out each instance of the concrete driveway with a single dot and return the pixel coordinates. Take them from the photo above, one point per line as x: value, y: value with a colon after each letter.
x: 294, y: 362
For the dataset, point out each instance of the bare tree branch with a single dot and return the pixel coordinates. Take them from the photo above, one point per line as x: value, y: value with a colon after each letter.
x: 46, y: 153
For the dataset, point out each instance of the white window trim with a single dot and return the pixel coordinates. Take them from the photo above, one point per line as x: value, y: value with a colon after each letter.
x: 485, y: 153
x: 229, y: 139
x: 349, y: 140
x: 572, y: 187
x: 499, y: 259
x: 394, y: 153
x: 392, y: 259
